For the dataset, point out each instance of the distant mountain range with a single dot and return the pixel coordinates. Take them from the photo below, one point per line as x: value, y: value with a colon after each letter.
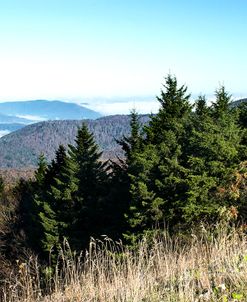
x: 23, y: 147
x: 28, y: 112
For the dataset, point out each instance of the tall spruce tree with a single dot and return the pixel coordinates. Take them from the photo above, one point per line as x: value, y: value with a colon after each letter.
x: 61, y: 193
x: 38, y: 206
x: 243, y: 115
x: 201, y: 109
x: 68, y: 196
x: 44, y: 218
x: 32, y: 195
x: 133, y: 143
x: 221, y: 106
x: 157, y: 185
x: 174, y: 111
x: 119, y: 194
x: 213, y: 153
x: 49, y: 214
x: 90, y: 177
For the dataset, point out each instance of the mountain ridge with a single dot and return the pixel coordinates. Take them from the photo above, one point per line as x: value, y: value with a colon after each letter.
x: 48, y: 109
x: 29, y: 112
x: 21, y: 149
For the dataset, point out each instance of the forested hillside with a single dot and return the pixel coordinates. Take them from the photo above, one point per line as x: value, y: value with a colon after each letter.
x: 22, y: 148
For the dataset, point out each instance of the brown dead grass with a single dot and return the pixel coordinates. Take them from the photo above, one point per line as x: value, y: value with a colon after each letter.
x: 211, y: 266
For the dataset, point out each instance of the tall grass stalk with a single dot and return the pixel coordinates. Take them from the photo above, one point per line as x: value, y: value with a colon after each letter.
x: 210, y: 266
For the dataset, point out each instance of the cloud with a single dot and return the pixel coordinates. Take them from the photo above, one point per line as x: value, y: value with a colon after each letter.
x: 34, y: 118
x: 4, y: 132
x: 124, y: 107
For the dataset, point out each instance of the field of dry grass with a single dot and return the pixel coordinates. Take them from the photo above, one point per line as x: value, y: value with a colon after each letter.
x: 209, y: 266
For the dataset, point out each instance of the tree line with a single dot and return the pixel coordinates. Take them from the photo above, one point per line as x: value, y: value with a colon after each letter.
x: 188, y: 164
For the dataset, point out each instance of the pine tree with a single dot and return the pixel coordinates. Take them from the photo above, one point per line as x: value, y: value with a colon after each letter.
x: 54, y: 168
x: 132, y: 144
x: 175, y: 109
x: 44, y: 217
x: 62, y: 192
x: 157, y: 180
x: 68, y: 196
x: 31, y: 193
x: 243, y: 115
x: 213, y: 145
x: 201, y: 109
x: 222, y: 105
x: 41, y: 171
x: 91, y: 180
x: 49, y: 215
x: 119, y: 195
x: 38, y: 208
x: 187, y: 159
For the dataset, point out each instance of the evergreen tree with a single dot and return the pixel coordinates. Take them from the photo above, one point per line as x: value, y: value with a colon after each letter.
x: 44, y: 217
x: 30, y: 205
x: 157, y: 181
x: 68, y: 196
x: 243, y: 115
x: 91, y: 180
x: 54, y: 168
x: 41, y: 171
x: 37, y: 207
x: 133, y: 143
x: 117, y: 205
x: 186, y: 160
x: 62, y: 192
x: 201, y: 109
x: 214, y: 145
x: 49, y: 214
x: 174, y: 111
x: 222, y: 105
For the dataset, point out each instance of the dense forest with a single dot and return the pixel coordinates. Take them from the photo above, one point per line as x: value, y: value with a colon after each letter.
x: 187, y: 165
x: 22, y: 148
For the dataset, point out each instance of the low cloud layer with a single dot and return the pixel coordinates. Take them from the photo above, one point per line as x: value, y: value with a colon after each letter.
x: 141, y: 106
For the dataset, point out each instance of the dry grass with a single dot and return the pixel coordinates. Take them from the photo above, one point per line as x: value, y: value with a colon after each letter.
x: 207, y: 267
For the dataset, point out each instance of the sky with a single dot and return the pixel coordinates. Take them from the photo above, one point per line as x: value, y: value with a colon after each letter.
x: 114, y: 54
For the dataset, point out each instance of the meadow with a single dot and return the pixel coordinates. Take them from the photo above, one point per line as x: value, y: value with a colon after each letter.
x: 208, y: 265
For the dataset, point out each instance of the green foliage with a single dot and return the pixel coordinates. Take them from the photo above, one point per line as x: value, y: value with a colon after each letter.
x: 118, y: 201
x: 187, y: 159
x: 175, y: 109
x: 41, y: 170
x: 243, y: 115
x: 183, y: 167
x: 157, y: 172
x: 67, y: 197
x: 221, y: 106
x: 90, y: 177
x: 201, y: 108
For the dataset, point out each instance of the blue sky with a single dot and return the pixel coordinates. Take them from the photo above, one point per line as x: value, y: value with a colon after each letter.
x: 118, y: 52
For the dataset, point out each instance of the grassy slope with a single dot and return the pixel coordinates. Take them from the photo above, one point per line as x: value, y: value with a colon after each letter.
x: 205, y: 268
